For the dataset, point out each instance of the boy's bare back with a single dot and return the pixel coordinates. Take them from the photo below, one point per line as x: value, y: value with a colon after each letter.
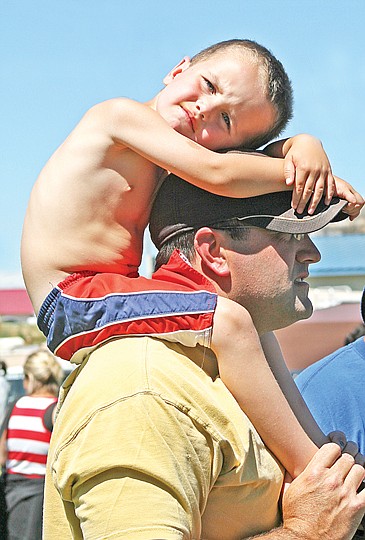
x: 94, y: 191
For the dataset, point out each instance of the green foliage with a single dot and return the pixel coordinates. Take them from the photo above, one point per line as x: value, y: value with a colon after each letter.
x: 29, y: 332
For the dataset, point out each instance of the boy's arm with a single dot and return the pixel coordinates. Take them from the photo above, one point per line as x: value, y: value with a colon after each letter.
x: 144, y: 131
x: 300, y: 160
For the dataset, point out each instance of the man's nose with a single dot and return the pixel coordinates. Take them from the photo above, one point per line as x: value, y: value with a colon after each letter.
x: 308, y: 251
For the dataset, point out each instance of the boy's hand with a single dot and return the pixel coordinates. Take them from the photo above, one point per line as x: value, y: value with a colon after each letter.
x: 355, y: 201
x: 307, y: 168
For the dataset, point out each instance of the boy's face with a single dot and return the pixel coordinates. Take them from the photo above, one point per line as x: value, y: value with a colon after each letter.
x: 219, y: 102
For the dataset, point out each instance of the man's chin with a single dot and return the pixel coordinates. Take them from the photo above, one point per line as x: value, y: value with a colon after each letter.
x: 301, y: 311
x: 305, y: 309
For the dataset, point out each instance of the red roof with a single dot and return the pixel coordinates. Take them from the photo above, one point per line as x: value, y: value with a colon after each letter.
x: 15, y: 302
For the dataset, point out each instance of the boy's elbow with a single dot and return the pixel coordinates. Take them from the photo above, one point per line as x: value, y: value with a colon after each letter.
x: 110, y: 108
x: 219, y: 175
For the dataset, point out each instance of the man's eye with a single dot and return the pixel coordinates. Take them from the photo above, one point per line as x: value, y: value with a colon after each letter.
x: 227, y: 120
x: 286, y: 237
x: 210, y: 86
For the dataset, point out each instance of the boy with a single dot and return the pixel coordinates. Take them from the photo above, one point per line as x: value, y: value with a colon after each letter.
x: 91, y: 202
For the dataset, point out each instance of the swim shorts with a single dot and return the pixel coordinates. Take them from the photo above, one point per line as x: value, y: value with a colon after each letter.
x: 88, y: 309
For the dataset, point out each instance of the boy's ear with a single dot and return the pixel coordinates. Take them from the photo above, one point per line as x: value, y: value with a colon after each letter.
x: 179, y: 68
x: 212, y: 255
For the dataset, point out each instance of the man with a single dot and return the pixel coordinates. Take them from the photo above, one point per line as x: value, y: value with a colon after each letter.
x: 333, y: 389
x: 159, y: 448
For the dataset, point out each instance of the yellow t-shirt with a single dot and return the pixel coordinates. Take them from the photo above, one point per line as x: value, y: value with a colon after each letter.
x: 149, y: 445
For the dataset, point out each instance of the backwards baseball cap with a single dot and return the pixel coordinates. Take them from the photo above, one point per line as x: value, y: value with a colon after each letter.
x: 181, y: 207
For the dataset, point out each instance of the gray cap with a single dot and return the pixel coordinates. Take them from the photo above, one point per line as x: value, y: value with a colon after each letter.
x: 180, y: 207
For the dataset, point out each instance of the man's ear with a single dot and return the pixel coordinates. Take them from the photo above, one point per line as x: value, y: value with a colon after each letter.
x: 208, y: 246
x: 179, y: 68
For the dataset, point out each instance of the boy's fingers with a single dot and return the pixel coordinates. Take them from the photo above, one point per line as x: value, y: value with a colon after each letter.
x: 353, y: 210
x: 312, y: 188
x: 338, y: 437
x: 289, y: 172
x: 330, y: 188
x: 318, y: 192
x: 360, y: 459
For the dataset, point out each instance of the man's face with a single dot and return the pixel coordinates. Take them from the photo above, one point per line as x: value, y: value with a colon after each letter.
x: 268, y: 272
x: 219, y: 102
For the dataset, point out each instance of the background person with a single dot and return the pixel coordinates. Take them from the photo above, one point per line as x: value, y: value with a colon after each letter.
x: 333, y: 389
x: 355, y: 334
x: 4, y: 395
x: 25, y: 445
x: 4, y: 390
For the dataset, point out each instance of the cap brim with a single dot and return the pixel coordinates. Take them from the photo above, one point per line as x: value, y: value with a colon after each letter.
x: 180, y: 207
x: 294, y: 223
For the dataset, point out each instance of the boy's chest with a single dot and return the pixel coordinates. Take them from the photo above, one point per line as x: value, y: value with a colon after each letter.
x: 139, y: 180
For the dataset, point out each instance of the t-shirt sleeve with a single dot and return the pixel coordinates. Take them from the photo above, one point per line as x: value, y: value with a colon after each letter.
x: 140, y: 468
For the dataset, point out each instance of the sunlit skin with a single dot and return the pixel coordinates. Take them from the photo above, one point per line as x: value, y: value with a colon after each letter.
x: 270, y: 273
x: 219, y: 102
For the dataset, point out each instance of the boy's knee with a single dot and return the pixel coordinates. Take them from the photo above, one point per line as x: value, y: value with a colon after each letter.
x: 231, y: 313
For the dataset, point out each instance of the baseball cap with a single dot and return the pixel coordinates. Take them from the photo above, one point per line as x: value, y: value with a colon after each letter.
x: 180, y: 207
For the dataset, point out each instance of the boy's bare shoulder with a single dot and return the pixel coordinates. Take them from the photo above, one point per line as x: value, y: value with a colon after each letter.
x: 90, y: 204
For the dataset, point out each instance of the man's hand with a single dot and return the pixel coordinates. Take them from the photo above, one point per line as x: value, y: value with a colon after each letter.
x: 323, y: 503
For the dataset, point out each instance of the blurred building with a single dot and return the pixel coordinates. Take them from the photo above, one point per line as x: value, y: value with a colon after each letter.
x: 15, y: 303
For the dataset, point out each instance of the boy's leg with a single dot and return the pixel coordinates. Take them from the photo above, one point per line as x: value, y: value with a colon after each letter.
x: 244, y: 369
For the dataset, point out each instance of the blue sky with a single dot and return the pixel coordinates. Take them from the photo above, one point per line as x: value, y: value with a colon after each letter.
x: 59, y: 58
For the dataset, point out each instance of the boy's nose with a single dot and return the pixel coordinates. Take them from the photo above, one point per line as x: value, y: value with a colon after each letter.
x: 204, y: 108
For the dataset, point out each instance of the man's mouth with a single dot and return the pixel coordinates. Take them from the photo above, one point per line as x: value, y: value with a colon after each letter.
x: 301, y: 279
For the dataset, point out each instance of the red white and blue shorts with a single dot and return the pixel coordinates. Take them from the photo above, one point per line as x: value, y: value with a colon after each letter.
x: 87, y: 309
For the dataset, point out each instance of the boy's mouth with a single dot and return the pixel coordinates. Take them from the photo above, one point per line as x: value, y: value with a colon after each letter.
x: 189, y: 117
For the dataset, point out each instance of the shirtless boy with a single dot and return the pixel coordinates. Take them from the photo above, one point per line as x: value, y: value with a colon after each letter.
x: 91, y: 203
